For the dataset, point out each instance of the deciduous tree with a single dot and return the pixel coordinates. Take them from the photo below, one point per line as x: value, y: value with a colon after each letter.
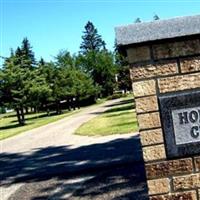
x: 101, y: 67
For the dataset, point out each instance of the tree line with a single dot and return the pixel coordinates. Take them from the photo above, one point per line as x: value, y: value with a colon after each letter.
x: 27, y: 84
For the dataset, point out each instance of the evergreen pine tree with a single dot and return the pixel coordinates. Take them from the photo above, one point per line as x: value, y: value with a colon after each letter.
x: 92, y: 41
x: 41, y: 61
x: 27, y: 54
x: 13, y: 87
x: 156, y: 17
x: 18, y: 53
x: 138, y: 20
x: 18, y: 79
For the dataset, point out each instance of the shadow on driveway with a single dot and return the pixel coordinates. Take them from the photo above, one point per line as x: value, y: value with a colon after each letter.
x: 119, y: 159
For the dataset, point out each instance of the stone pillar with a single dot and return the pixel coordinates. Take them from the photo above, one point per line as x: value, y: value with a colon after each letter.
x: 166, y: 84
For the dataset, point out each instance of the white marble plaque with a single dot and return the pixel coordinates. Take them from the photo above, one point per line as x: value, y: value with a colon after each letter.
x: 186, y: 123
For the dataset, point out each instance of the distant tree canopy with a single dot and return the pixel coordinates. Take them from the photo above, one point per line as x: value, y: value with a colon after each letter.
x: 27, y: 84
x: 123, y: 73
x: 156, y: 17
x: 101, y: 68
x: 138, y: 20
x: 97, y: 61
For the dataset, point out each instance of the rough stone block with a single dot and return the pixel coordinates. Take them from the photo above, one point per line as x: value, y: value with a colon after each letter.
x: 138, y: 54
x: 176, y: 49
x: 189, y: 195
x: 176, y: 83
x: 144, y: 88
x: 149, y: 120
x: 146, y: 104
x: 158, y: 186
x: 154, y: 136
x: 197, y: 163
x: 190, y: 64
x: 153, y: 70
x: 168, y: 168
x: 186, y: 182
x: 153, y: 153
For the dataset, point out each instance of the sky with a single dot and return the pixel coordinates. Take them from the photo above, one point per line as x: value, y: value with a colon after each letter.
x: 54, y: 25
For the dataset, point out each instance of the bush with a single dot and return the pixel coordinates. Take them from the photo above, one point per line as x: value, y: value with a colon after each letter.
x: 116, y: 96
x: 2, y: 110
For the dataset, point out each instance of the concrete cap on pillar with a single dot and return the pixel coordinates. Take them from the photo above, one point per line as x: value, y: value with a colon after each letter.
x: 157, y: 30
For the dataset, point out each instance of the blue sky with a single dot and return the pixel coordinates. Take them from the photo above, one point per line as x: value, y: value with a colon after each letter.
x: 52, y: 25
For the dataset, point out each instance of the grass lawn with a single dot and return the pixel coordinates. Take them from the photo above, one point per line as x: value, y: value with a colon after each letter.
x: 10, y: 127
x: 119, y: 119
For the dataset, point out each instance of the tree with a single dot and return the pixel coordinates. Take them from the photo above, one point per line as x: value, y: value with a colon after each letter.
x: 27, y: 54
x: 74, y: 82
x: 79, y: 84
x: 13, y: 87
x: 41, y: 61
x: 138, y: 20
x: 39, y: 91
x: 101, y: 67
x: 27, y: 50
x: 124, y: 81
x: 26, y: 61
x: 64, y: 59
x: 48, y: 71
x: 92, y: 41
x: 1, y: 92
x: 123, y: 73
x: 156, y: 17
x: 95, y: 60
x: 17, y: 79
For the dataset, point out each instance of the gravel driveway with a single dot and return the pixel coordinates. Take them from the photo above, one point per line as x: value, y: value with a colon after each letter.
x: 52, y: 151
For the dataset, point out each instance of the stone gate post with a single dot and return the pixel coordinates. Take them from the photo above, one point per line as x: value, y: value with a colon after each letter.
x: 164, y: 59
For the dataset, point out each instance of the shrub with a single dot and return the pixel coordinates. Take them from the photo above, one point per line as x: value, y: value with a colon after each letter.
x: 116, y: 96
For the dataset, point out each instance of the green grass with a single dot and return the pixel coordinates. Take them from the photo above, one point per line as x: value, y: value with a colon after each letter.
x: 118, y: 119
x: 10, y: 127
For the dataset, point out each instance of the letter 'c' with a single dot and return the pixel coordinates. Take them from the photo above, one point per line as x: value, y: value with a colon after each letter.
x: 194, y: 132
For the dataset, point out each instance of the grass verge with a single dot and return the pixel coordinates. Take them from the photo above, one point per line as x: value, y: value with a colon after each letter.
x: 10, y: 127
x: 119, y: 119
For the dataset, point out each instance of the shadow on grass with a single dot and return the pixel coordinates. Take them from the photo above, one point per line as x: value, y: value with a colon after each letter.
x: 117, y: 114
x: 10, y: 126
x: 118, y: 109
x: 38, y: 116
x: 10, y: 115
x: 122, y: 102
x: 14, y: 123
x: 127, y: 124
x: 62, y: 163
